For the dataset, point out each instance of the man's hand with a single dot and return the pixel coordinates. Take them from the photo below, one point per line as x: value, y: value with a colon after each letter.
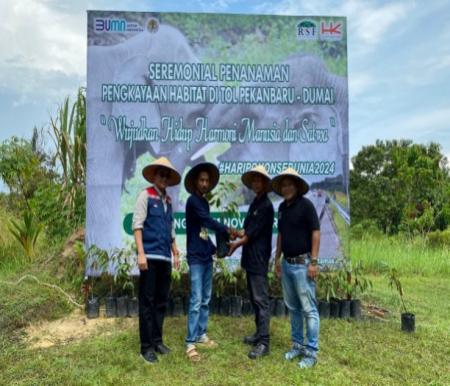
x: 313, y: 271
x: 233, y: 233
x: 278, y: 268
x: 176, y: 257
x: 233, y: 247
x: 142, y: 262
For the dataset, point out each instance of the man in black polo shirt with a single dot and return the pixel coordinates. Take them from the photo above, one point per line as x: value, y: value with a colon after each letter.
x: 298, y: 240
x: 256, y: 239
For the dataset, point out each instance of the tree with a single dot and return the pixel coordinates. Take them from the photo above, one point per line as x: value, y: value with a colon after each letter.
x: 401, y: 186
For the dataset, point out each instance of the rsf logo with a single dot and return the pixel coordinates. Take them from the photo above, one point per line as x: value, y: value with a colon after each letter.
x: 307, y: 30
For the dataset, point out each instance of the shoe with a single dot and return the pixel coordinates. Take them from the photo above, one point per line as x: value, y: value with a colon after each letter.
x: 297, y: 350
x: 251, y: 339
x: 162, y: 349
x: 150, y: 356
x: 205, y: 342
x: 258, y: 351
x: 307, y: 362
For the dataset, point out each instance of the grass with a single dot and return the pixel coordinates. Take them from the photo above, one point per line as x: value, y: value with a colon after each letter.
x: 367, y: 352
x: 409, y: 256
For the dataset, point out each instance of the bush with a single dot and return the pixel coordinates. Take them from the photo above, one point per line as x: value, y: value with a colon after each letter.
x: 439, y: 239
x: 359, y: 230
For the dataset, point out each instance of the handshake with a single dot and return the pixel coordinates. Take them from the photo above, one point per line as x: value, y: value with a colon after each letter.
x: 234, y: 235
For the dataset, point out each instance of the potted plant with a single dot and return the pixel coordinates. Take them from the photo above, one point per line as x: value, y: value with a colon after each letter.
x: 276, y: 305
x: 108, y: 261
x: 216, y: 199
x: 176, y: 300
x: 123, y: 282
x: 360, y: 284
x: 222, y: 277
x: 326, y: 287
x: 92, y: 301
x: 408, y: 319
x: 237, y: 279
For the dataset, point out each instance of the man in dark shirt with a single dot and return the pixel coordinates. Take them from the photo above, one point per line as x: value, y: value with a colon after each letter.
x: 298, y: 240
x: 256, y: 239
x: 199, y: 181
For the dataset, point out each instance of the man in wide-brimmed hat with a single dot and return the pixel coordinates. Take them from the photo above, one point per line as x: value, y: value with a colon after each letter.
x: 155, y: 241
x: 199, y: 181
x: 298, y: 240
x: 256, y: 239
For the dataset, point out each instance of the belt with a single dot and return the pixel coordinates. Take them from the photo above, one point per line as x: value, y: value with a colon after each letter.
x: 300, y: 259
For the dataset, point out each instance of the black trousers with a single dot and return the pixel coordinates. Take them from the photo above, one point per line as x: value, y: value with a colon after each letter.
x: 258, y: 289
x: 154, y: 287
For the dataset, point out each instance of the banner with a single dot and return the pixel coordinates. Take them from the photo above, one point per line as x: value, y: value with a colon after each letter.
x: 235, y: 90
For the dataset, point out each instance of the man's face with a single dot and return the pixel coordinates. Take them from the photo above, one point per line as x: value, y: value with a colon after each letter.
x: 288, y: 188
x: 258, y: 184
x: 161, y: 178
x: 203, y: 182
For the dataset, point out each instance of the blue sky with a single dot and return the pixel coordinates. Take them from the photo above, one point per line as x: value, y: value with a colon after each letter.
x: 399, y: 60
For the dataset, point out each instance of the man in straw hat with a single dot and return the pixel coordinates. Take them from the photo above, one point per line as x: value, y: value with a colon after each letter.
x: 199, y: 181
x: 155, y: 241
x: 298, y: 240
x: 256, y: 239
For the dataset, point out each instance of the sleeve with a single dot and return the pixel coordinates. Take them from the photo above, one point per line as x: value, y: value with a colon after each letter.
x: 205, y: 218
x: 140, y: 210
x: 173, y: 234
x: 313, y: 218
x: 258, y: 222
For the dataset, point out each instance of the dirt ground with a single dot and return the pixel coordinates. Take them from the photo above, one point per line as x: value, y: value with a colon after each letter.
x: 75, y: 326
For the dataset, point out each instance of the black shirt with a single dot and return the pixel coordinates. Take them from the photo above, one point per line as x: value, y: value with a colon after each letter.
x: 296, y: 222
x: 258, y: 226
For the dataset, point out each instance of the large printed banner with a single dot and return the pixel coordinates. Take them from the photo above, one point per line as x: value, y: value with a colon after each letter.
x: 236, y: 90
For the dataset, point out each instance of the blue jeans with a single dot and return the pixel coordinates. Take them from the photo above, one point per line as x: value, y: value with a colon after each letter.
x: 200, y: 295
x: 299, y: 293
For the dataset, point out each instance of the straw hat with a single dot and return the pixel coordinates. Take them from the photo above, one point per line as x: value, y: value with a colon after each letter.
x: 302, y: 184
x: 258, y: 170
x: 191, y: 176
x: 149, y: 171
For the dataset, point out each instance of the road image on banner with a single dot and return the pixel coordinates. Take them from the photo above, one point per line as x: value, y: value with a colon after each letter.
x: 235, y: 90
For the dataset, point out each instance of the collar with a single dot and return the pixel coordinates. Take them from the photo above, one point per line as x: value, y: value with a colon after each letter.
x: 294, y: 201
x: 260, y: 198
x: 153, y: 190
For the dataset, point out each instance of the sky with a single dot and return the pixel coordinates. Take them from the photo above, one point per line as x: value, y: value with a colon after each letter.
x: 398, y: 60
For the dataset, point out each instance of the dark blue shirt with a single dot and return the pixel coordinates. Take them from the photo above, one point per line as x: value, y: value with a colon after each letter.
x: 258, y: 226
x: 200, y: 248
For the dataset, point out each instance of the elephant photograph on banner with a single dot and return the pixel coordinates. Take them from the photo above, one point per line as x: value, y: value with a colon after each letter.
x: 121, y: 48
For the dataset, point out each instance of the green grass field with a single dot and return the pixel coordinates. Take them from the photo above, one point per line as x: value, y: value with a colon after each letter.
x: 363, y: 353
x: 369, y: 352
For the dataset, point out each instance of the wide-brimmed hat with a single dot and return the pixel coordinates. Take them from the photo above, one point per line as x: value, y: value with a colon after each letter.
x: 191, y: 176
x: 302, y: 184
x: 258, y: 170
x: 149, y: 172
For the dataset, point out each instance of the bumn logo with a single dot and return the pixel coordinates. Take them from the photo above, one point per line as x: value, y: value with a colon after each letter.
x: 307, y: 30
x: 108, y: 24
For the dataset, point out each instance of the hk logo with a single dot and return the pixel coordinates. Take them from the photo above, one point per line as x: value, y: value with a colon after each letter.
x: 331, y: 30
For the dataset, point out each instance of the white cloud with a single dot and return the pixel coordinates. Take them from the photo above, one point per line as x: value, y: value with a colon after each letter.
x: 43, y: 48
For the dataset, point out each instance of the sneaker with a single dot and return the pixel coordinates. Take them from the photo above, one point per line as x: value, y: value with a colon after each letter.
x: 258, y: 351
x: 204, y: 341
x: 307, y: 362
x: 251, y: 339
x: 162, y: 349
x: 297, y: 350
x: 150, y: 356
